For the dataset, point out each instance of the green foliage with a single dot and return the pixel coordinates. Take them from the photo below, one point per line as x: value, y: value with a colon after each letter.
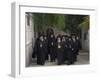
x: 63, y: 22
x: 37, y: 20
x: 85, y: 23
x: 72, y: 22
x: 43, y: 21
x: 60, y: 21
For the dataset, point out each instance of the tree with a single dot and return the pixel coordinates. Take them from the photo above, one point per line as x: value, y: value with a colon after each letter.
x: 37, y: 18
x: 72, y: 23
x: 60, y: 21
x: 64, y: 22
x: 85, y: 23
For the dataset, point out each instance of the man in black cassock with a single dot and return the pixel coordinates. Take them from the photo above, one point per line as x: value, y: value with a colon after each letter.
x: 34, y: 54
x: 59, y: 50
x: 41, y: 51
x: 49, y: 32
x: 46, y: 47
x: 65, y: 46
x: 52, y: 48
x: 78, y: 45
x: 70, y: 52
x: 74, y: 48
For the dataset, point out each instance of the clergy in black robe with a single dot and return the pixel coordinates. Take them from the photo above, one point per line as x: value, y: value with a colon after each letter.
x: 70, y: 52
x: 46, y: 48
x: 34, y: 46
x: 49, y: 32
x: 74, y: 48
x: 78, y: 45
x: 52, y: 48
x: 59, y: 50
x: 64, y: 44
x: 41, y: 51
x: 64, y: 47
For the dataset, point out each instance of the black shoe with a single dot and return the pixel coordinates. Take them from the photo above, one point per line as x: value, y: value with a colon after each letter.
x: 68, y: 63
x: 59, y: 63
x: 72, y: 62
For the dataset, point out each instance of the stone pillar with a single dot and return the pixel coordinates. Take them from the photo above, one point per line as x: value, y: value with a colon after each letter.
x: 29, y: 37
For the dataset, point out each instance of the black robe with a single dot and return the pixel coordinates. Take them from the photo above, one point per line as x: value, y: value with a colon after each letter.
x: 41, y: 52
x: 65, y: 50
x: 78, y: 46
x: 46, y: 48
x: 52, y: 45
x: 59, y: 51
x: 34, y: 54
x: 48, y: 44
x: 70, y: 56
x: 49, y: 32
x: 74, y: 49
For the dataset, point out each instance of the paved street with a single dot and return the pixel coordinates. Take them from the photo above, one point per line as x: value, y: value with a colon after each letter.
x: 82, y: 58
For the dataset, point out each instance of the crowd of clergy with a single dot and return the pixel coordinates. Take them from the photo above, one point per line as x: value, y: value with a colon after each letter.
x: 62, y: 49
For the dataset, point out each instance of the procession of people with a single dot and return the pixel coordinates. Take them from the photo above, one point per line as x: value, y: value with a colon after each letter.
x: 62, y: 49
